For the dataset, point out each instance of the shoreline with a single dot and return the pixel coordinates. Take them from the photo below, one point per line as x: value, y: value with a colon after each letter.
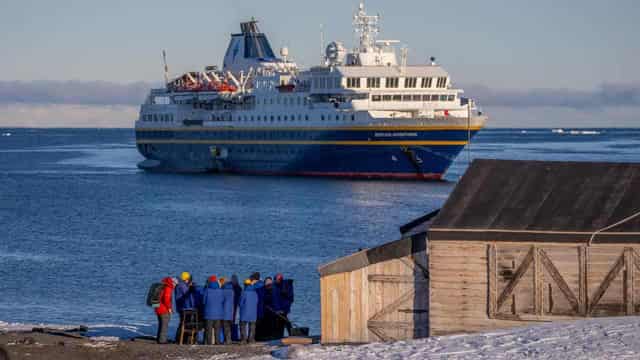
x: 61, y: 345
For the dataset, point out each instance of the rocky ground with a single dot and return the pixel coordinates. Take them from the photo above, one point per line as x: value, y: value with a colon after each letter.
x: 36, y: 346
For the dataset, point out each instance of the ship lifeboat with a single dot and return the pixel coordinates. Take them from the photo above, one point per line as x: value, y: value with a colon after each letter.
x: 287, y: 88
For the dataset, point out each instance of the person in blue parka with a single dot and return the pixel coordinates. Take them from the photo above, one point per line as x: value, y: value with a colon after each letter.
x: 227, y: 320
x: 213, y: 310
x: 185, y: 296
x: 248, y: 312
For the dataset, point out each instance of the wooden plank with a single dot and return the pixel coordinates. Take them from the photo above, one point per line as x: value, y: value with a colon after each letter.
x: 583, y: 286
x: 538, y: 282
x: 364, y: 305
x: 628, y: 281
x: 296, y: 340
x: 324, y: 332
x: 396, y: 279
x: 535, y: 318
x: 380, y: 333
x: 636, y: 259
x: 387, y: 325
x: 522, y: 269
x: 354, y: 305
x: 393, y: 306
x: 613, y: 273
x: 559, y: 280
x: 492, y: 280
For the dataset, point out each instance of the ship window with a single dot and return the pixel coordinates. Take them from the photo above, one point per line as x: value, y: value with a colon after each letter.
x: 337, y: 117
x: 426, y: 82
x: 353, y: 118
x: 443, y: 97
x: 373, y: 82
x: 442, y: 82
x: 435, y: 97
x: 386, y: 97
x: 376, y: 98
x: 272, y: 118
x: 322, y: 117
x: 353, y: 83
x: 397, y: 97
x: 278, y: 117
x: 286, y: 118
x: 293, y: 117
x: 391, y: 82
x: 306, y: 117
x: 406, y: 97
x: 417, y: 97
x: 410, y: 82
x: 452, y: 98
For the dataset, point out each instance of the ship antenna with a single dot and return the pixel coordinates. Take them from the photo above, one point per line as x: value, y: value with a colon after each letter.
x: 322, y: 56
x: 166, y: 67
x: 366, y: 28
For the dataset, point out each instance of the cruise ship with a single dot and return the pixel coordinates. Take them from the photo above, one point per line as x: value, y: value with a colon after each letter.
x: 361, y: 113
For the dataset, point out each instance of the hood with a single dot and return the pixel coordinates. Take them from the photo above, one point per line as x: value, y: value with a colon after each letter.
x: 168, y: 282
x: 213, y: 285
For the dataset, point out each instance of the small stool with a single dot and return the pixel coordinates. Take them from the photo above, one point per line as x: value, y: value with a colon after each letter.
x: 190, y: 327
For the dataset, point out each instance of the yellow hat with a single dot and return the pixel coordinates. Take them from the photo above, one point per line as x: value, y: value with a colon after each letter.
x: 185, y: 276
x: 248, y: 282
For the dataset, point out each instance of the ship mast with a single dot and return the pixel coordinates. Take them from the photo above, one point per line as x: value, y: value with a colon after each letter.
x: 366, y: 28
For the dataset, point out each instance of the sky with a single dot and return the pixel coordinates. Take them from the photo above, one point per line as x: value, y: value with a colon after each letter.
x: 572, y: 63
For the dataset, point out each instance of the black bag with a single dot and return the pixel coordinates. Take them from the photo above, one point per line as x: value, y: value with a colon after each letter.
x: 154, y: 295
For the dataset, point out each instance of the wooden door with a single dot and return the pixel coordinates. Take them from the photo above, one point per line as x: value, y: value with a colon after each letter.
x: 545, y: 283
x: 398, y: 299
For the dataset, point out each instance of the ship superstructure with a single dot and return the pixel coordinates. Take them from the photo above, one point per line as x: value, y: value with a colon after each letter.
x: 360, y: 113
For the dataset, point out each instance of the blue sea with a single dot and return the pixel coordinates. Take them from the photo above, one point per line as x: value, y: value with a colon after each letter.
x: 83, y: 232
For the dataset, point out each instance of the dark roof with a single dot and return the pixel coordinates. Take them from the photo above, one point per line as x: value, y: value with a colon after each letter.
x: 419, y: 225
x: 542, y: 201
x: 393, y: 250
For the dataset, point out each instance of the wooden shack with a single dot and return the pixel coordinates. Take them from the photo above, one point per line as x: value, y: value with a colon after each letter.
x: 378, y: 294
x: 520, y: 242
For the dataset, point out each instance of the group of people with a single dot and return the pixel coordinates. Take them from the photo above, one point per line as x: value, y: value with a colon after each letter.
x: 227, y: 311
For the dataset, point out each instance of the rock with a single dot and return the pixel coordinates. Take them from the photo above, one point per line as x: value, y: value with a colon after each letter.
x: 27, y: 341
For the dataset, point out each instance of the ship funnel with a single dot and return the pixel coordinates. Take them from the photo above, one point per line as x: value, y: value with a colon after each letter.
x: 250, y: 27
x: 248, y: 49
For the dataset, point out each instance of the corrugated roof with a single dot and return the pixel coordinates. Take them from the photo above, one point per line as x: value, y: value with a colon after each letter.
x: 542, y: 201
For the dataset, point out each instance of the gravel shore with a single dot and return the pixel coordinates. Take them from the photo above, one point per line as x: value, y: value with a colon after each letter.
x: 36, y: 345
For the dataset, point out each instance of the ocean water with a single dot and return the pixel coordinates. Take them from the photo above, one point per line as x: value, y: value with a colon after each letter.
x: 83, y: 232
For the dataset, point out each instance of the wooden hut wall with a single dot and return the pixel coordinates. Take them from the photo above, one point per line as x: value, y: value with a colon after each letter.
x: 479, y: 285
x: 383, y: 301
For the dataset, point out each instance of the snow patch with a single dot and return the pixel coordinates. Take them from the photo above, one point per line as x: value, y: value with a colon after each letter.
x: 610, y: 338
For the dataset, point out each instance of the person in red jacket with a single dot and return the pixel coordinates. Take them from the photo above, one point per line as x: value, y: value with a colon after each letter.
x: 164, y: 310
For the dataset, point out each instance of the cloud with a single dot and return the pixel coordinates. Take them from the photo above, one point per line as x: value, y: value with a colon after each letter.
x: 73, y: 92
x: 67, y: 115
x: 607, y: 95
x: 107, y: 104
x: 109, y: 93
